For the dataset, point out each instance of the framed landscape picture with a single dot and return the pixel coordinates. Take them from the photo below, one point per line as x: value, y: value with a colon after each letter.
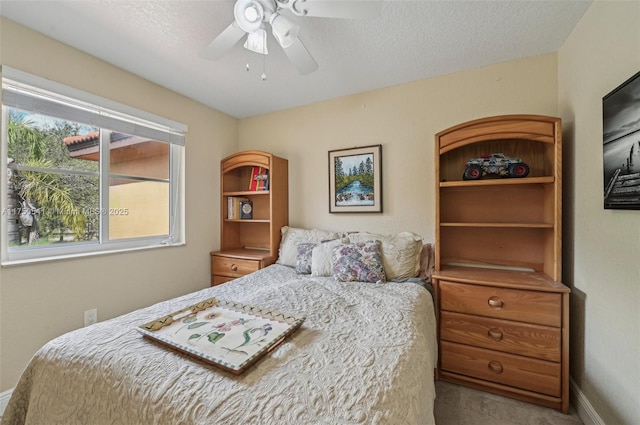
x: 621, y: 145
x: 355, y: 180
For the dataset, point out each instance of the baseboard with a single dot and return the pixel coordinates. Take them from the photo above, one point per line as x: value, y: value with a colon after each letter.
x: 4, y: 400
x: 585, y: 410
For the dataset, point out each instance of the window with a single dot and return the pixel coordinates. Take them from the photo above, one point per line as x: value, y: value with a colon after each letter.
x: 84, y: 174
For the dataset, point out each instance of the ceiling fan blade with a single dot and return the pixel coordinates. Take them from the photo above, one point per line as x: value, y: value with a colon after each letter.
x: 223, y: 42
x: 300, y: 57
x: 347, y: 9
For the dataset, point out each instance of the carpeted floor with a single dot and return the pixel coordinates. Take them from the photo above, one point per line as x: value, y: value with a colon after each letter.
x: 458, y: 405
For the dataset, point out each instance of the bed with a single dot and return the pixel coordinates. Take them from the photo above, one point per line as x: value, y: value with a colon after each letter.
x: 365, y: 354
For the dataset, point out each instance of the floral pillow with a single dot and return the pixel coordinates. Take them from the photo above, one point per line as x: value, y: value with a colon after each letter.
x: 358, y: 262
x: 303, y: 257
x: 400, y: 252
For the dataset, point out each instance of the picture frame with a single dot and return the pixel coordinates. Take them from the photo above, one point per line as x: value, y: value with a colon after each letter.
x: 355, y: 180
x: 621, y: 145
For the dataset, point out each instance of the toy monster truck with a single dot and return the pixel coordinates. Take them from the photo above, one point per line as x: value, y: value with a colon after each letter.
x: 495, y: 164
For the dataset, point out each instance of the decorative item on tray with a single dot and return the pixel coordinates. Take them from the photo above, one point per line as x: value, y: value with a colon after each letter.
x: 496, y: 164
x: 259, y: 179
x: 226, y: 334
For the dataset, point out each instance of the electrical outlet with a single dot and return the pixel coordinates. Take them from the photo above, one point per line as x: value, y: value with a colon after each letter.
x: 90, y: 316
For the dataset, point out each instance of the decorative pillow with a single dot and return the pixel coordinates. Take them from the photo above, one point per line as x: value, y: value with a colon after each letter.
x: 321, y: 261
x: 400, y: 253
x: 303, y: 257
x: 291, y: 236
x: 358, y: 262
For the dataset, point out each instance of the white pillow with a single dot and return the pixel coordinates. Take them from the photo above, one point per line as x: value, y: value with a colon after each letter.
x: 292, y: 236
x: 400, y: 253
x: 321, y: 262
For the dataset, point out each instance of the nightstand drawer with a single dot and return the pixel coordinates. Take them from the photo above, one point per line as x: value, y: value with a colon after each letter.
x: 219, y: 280
x: 539, y: 307
x: 542, y: 342
x: 233, y: 267
x: 508, y: 369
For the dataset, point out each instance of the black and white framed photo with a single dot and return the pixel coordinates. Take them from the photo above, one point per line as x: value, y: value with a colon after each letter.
x: 621, y: 145
x: 355, y: 180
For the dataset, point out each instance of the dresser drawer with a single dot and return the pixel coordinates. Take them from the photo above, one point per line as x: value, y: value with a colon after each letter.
x: 543, y: 308
x: 219, y: 280
x: 542, y: 342
x: 507, y: 369
x: 233, y: 267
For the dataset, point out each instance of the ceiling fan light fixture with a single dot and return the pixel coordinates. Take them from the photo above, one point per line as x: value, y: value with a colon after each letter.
x: 257, y: 42
x: 249, y: 15
x: 285, y: 31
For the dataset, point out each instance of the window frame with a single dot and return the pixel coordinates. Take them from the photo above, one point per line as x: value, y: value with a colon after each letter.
x: 131, y: 121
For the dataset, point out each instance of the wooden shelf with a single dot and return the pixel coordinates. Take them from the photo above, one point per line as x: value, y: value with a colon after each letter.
x: 498, y: 182
x: 527, y: 280
x: 247, y: 193
x: 498, y: 262
x: 246, y: 253
x: 270, y: 214
x: 500, y: 225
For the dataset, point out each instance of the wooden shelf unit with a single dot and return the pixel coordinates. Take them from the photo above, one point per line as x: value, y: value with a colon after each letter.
x: 247, y: 245
x: 503, y: 314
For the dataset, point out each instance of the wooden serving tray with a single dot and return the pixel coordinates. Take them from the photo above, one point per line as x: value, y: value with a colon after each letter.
x: 226, y: 334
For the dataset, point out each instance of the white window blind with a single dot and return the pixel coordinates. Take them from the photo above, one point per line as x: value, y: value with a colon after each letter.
x: 41, y: 97
x: 34, y: 94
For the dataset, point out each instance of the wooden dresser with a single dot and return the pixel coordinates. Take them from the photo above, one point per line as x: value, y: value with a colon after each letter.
x: 505, y: 333
x: 503, y: 314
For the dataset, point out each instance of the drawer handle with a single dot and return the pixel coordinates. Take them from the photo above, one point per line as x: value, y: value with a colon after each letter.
x: 495, y: 334
x: 495, y: 367
x: 495, y: 302
x: 234, y: 268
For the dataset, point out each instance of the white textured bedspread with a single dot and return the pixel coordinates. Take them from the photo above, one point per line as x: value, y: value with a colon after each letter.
x: 364, y: 355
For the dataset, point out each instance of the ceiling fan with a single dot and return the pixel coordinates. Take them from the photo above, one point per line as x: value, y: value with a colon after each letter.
x: 253, y: 16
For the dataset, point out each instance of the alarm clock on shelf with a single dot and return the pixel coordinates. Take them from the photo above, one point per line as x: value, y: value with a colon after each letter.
x: 246, y: 210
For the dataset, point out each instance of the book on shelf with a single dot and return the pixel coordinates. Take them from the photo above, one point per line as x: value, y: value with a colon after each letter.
x: 234, y: 206
x: 259, y: 179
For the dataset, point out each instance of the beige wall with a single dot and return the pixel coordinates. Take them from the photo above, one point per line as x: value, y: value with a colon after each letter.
x: 41, y: 301
x: 602, y: 247
x: 403, y: 119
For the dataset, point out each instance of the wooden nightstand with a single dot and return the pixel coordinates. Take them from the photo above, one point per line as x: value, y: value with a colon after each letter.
x: 228, y: 265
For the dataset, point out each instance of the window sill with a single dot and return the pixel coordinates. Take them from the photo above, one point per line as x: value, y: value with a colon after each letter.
x: 51, y: 258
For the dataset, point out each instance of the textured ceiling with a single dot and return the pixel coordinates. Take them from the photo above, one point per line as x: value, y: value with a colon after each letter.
x: 410, y: 40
